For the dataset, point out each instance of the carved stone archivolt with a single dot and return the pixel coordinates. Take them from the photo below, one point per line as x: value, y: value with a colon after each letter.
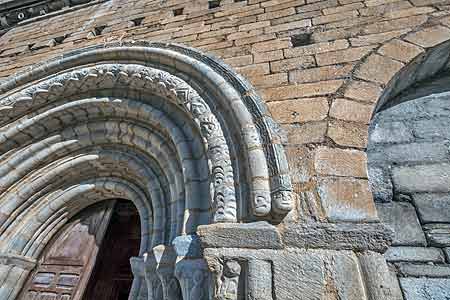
x: 175, y: 132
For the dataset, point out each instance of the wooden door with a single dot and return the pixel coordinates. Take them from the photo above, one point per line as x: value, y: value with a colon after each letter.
x: 67, y: 263
x: 112, y: 277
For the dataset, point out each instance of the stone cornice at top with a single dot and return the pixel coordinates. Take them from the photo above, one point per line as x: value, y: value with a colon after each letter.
x: 13, y: 12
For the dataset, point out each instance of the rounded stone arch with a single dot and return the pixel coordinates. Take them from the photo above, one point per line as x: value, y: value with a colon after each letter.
x: 378, y: 78
x: 407, y: 154
x: 177, y: 132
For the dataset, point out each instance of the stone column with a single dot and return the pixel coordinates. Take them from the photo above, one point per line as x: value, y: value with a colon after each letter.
x: 194, y: 278
x: 14, y: 272
x: 159, y: 274
x: 380, y: 282
x: 170, y: 286
x: 153, y: 283
x: 139, y: 287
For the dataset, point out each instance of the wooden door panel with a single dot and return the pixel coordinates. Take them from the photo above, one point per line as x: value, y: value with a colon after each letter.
x: 65, y: 268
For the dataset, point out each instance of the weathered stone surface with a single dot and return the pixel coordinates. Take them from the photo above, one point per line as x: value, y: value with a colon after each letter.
x: 380, y: 183
x: 358, y: 237
x: 187, y: 246
x: 409, y: 153
x: 438, y: 234
x: 338, y: 162
x: 395, y: 132
x: 432, y: 208
x: 422, y: 178
x: 347, y: 199
x: 401, y: 216
x: 380, y: 282
x: 424, y: 270
x: 414, y: 254
x: 259, y: 235
x: 425, y: 288
x: 447, y: 254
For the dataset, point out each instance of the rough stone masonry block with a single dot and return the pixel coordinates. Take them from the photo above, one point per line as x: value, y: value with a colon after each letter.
x: 433, y: 208
x: 347, y: 199
x: 438, y: 234
x: 401, y: 216
x: 425, y: 288
x: 422, y: 178
x: 381, y: 184
x: 414, y: 254
x: 313, y: 275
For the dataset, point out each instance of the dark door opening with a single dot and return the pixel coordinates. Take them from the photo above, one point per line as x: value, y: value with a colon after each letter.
x: 111, y: 278
x: 89, y: 259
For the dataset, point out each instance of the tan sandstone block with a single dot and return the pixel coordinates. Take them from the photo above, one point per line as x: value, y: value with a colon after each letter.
x: 288, y: 64
x: 311, y: 132
x: 341, y: 56
x: 400, y: 50
x: 271, y: 45
x: 346, y: 199
x: 239, y: 61
x: 254, y: 70
x: 268, y: 56
x: 316, y: 48
x: 299, y: 110
x: 321, y: 73
x: 335, y: 17
x: 429, y: 37
x: 364, y: 91
x: 348, y: 110
x: 340, y: 162
x: 378, y: 69
x: 303, y: 90
x: 348, y: 134
x: 272, y: 80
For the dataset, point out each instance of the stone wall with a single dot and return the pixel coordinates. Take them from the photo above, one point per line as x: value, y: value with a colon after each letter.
x: 321, y: 67
x: 409, y: 156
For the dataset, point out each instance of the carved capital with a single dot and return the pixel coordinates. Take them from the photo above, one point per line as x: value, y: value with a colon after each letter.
x: 194, y: 278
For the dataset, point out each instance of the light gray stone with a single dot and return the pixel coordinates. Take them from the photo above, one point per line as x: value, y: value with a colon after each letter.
x: 438, y: 234
x: 392, y: 132
x: 259, y: 280
x: 414, y: 254
x: 376, y: 237
x: 425, y: 288
x: 436, y: 129
x: 433, y: 208
x: 422, y: 178
x: 318, y: 275
x: 401, y: 216
x: 410, y: 152
x: 380, y: 282
x: 380, y: 183
x: 259, y: 235
x: 447, y: 253
x: 187, y: 245
x: 424, y: 270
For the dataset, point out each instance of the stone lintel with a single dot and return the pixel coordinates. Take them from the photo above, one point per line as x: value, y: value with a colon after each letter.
x: 261, y: 235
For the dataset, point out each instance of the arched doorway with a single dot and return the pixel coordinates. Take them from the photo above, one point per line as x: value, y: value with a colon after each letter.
x: 89, y: 258
x: 173, y: 131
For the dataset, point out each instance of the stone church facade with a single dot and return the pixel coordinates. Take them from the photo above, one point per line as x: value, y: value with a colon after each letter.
x: 226, y: 149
